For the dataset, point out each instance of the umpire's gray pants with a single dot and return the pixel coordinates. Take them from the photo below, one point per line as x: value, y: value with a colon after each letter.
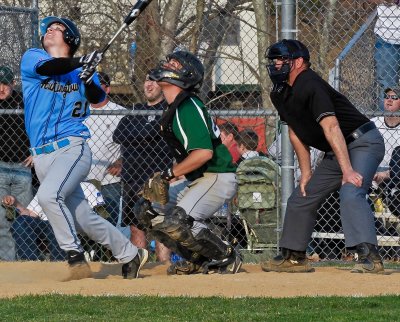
x: 63, y: 201
x: 357, y: 218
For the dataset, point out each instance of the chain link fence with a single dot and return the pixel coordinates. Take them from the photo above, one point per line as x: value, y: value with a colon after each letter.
x: 230, y: 37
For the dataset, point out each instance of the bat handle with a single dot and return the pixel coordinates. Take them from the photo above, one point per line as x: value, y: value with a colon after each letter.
x: 90, y: 79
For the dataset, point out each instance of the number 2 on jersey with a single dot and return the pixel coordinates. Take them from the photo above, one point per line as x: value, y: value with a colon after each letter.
x: 80, y: 110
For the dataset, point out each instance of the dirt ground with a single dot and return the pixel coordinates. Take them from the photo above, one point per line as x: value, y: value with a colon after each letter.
x: 45, y: 278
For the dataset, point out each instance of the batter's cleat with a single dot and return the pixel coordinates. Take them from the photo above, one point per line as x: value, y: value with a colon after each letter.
x: 289, y: 261
x: 78, y: 266
x: 369, y: 260
x: 183, y: 267
x: 133, y: 267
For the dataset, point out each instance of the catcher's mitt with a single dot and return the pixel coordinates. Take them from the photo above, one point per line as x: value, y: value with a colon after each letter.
x: 156, y: 189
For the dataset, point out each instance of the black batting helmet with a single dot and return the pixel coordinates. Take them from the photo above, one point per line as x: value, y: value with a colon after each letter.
x: 287, y: 50
x: 71, y: 34
x: 189, y: 77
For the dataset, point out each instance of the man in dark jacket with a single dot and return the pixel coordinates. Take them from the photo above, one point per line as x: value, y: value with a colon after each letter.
x: 143, y: 151
x: 15, y: 177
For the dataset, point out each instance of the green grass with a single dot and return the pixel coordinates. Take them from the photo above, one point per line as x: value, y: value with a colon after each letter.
x: 149, y: 308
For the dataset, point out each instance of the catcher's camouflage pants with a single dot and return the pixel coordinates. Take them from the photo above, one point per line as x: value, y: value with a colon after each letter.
x: 200, y: 198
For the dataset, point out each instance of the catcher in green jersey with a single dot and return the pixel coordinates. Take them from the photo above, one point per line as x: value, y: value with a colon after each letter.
x: 178, y: 220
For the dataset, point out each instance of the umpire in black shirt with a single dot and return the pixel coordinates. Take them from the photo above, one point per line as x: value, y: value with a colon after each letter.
x: 320, y: 117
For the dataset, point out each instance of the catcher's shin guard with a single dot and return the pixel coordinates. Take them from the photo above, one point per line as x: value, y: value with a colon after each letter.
x: 177, y: 248
x: 224, y: 257
x: 177, y: 225
x: 206, y: 249
x: 214, y: 247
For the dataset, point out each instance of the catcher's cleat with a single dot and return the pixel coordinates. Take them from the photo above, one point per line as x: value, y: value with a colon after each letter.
x: 183, y: 267
x: 289, y: 261
x: 133, y: 267
x: 229, y: 265
x: 78, y: 266
x: 234, y: 264
x: 369, y: 260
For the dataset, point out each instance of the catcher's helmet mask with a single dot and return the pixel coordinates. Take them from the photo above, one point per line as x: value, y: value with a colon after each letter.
x: 188, y: 77
x: 287, y: 50
x: 71, y: 34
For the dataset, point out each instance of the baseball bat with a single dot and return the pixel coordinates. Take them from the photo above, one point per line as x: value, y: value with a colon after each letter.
x: 137, y: 9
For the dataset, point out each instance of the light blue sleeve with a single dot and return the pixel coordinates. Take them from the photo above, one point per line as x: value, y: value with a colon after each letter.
x: 31, y: 60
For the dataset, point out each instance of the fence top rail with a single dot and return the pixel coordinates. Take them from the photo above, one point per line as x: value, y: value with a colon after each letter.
x: 232, y: 113
x: 17, y: 9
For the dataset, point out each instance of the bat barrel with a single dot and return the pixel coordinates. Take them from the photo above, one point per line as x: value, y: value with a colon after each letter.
x: 136, y: 11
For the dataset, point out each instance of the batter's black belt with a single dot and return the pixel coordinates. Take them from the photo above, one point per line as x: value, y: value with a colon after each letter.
x: 360, y: 131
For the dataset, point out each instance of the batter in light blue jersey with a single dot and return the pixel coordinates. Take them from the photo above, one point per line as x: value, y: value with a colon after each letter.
x: 57, y: 92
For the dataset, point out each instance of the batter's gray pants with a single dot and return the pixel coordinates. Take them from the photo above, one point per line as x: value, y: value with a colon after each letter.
x: 63, y: 201
x: 357, y: 218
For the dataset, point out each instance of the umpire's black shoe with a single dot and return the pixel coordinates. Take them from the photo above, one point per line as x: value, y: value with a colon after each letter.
x: 78, y: 266
x: 133, y: 267
x: 369, y: 260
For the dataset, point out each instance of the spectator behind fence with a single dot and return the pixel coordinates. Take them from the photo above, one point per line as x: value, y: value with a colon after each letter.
x: 143, y: 151
x: 106, y: 155
x: 247, y: 142
x: 387, y: 45
x: 32, y: 232
x: 394, y: 185
x: 389, y: 126
x: 229, y: 132
x: 31, y: 229
x: 321, y: 117
x: 15, y: 176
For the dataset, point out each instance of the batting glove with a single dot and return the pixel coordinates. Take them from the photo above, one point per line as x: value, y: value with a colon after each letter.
x: 87, y: 73
x: 90, y: 62
x: 94, y: 58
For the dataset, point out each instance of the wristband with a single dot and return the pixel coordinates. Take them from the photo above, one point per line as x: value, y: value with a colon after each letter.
x: 167, y: 174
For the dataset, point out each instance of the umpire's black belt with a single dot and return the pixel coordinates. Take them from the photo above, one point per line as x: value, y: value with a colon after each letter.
x: 360, y: 131
x: 50, y: 147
